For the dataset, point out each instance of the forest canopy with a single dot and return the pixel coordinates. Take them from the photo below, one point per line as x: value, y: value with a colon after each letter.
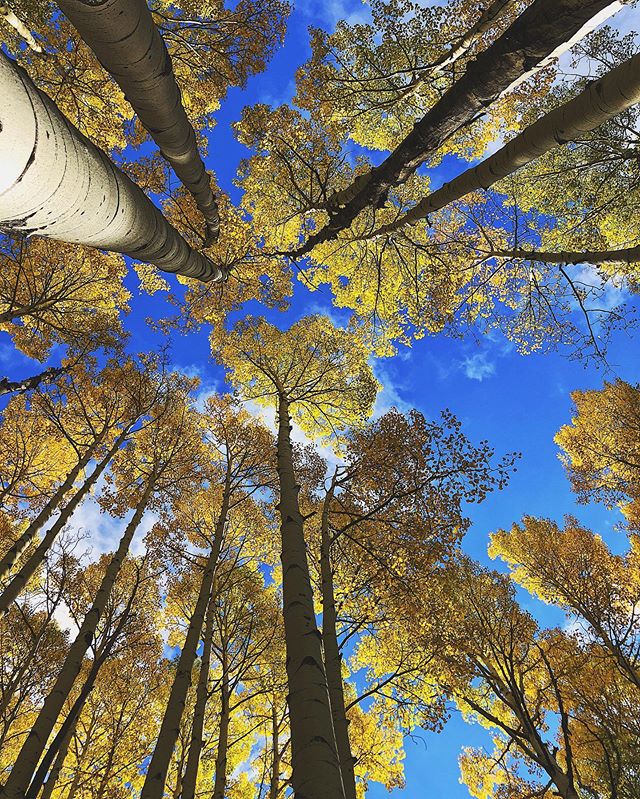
x: 319, y: 399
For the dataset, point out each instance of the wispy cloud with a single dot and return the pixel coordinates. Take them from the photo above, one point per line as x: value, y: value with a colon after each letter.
x: 478, y: 367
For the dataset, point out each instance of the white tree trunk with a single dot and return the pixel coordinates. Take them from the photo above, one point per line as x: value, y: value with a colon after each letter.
x: 55, y: 183
x: 126, y: 41
x: 598, y: 102
x: 18, y: 25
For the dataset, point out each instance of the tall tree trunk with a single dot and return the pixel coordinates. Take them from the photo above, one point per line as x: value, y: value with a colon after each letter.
x: 153, y: 787
x: 333, y: 657
x: 274, y: 783
x: 69, y: 723
x: 196, y: 744
x: 57, y: 184
x: 54, y: 774
x: 598, y: 102
x: 35, y: 743
x: 629, y: 255
x: 544, y: 27
x: 220, y: 782
x: 125, y: 39
x: 37, y: 557
x: 315, y: 766
x: 20, y: 544
x: 20, y: 28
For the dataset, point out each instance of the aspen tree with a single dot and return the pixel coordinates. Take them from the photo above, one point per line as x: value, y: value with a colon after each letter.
x: 601, y: 100
x: 534, y: 35
x: 318, y: 376
x: 160, y: 463
x: 61, y: 186
x: 236, y: 459
x: 127, y: 43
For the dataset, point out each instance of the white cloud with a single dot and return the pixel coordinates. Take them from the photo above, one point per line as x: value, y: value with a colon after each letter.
x: 478, y: 367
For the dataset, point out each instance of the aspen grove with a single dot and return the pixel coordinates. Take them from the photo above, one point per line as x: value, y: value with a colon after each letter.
x: 308, y: 312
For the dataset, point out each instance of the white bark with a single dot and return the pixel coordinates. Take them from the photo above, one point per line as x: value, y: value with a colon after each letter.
x: 598, y: 102
x: 18, y: 25
x: 127, y: 43
x: 55, y: 183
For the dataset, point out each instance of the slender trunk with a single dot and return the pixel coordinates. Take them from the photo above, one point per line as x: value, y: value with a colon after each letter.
x: 629, y: 255
x: 274, y: 784
x: 20, y: 28
x: 18, y: 546
x: 27, y: 761
x: 54, y: 774
x: 333, y: 658
x: 220, y: 782
x: 29, y: 383
x: 153, y: 787
x: 197, y: 730
x: 69, y: 723
x: 530, y: 41
x: 28, y: 569
x: 315, y: 766
x: 598, y: 102
x: 58, y: 184
x: 125, y: 39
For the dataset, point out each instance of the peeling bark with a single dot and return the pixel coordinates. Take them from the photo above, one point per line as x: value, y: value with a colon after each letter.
x: 315, y: 766
x: 59, y: 185
x: 129, y: 46
x: 533, y: 38
x: 600, y: 101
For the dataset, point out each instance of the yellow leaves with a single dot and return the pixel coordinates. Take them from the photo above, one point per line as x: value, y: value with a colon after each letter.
x: 322, y: 371
x: 52, y: 292
x: 151, y: 281
x: 602, y: 445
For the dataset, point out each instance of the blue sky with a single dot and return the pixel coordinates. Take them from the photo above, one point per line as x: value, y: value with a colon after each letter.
x: 518, y: 403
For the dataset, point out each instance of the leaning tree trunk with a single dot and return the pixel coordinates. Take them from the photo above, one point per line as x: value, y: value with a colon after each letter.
x: 220, y: 781
x: 129, y: 46
x: 20, y: 28
x: 32, y: 382
x: 196, y: 744
x: 333, y: 658
x: 69, y: 724
x: 598, y: 102
x: 154, y: 782
x: 56, y: 183
x: 29, y: 567
x: 315, y: 766
x: 35, y: 743
x: 32, y: 529
x: 54, y: 774
x: 543, y: 28
x: 629, y: 255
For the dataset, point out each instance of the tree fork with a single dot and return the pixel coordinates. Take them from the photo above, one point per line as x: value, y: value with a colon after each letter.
x: 57, y: 184
x: 129, y: 46
x: 315, y: 765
